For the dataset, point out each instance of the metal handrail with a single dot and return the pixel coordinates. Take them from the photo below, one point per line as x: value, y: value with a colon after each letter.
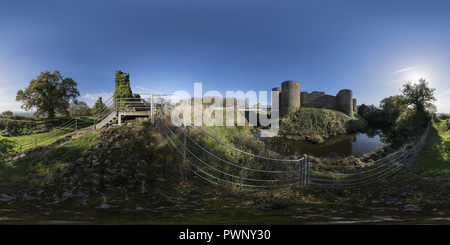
x: 52, y: 134
x: 173, y: 139
x: 236, y: 149
x: 394, y: 162
x: 353, y: 176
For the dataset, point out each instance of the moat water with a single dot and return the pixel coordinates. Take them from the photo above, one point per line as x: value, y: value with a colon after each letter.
x: 343, y: 145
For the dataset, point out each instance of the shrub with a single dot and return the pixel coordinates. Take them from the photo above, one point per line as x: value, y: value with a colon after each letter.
x: 7, y: 114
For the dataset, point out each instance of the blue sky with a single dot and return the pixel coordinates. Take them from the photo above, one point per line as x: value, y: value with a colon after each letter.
x: 371, y: 47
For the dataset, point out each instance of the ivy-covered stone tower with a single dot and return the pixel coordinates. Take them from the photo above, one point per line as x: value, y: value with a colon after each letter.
x: 122, y: 88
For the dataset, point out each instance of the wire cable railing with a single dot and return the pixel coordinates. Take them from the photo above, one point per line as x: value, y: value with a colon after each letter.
x: 226, y: 164
x: 245, y: 169
x: 65, y: 128
x: 322, y: 175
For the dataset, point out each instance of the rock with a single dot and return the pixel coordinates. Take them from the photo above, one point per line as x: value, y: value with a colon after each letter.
x: 117, y: 146
x: 143, y: 187
x: 111, y: 170
x: 5, y: 198
x: 80, y: 160
x: 394, y: 201
x: 142, y: 164
x: 414, y: 208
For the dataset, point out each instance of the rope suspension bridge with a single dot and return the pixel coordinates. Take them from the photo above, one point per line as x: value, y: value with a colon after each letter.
x: 240, y: 168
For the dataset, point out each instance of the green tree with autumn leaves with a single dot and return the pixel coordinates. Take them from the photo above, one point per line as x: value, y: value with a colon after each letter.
x: 50, y: 93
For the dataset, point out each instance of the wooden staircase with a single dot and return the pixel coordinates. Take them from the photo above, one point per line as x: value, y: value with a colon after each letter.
x: 131, y: 107
x: 108, y: 119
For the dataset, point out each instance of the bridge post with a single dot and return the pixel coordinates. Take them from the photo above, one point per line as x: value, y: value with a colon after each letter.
x: 390, y: 165
x: 184, y: 143
x: 242, y: 170
x: 304, y: 169
x: 360, y: 176
x: 404, y: 156
x: 162, y: 106
x: 151, y: 110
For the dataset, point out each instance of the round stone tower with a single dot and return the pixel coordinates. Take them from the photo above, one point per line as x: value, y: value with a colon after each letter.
x: 290, y: 97
x: 345, y: 101
x: 279, y: 99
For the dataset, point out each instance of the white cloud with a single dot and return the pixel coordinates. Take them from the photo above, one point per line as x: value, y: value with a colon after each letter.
x: 91, y: 98
x: 142, y: 88
x: 406, y: 69
x: 95, y: 96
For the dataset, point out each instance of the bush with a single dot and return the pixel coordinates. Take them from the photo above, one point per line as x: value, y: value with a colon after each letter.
x: 7, y: 114
x: 11, y: 127
x: 443, y: 116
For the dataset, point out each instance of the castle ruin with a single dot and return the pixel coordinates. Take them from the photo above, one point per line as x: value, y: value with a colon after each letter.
x: 291, y: 97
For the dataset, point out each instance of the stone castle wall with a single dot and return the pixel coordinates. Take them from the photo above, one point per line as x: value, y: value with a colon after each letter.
x: 291, y: 97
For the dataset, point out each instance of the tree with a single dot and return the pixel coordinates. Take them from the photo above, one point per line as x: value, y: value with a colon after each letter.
x: 372, y: 114
x: 99, y: 106
x: 79, y: 108
x: 7, y: 113
x: 419, y: 95
x: 391, y: 108
x: 49, y: 93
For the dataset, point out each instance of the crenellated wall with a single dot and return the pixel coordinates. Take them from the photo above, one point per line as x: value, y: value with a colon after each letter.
x: 292, y: 97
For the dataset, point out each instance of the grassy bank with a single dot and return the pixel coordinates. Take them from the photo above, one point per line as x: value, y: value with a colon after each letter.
x: 128, y: 175
x: 16, y: 143
x: 436, y: 156
x: 315, y: 125
x: 36, y: 171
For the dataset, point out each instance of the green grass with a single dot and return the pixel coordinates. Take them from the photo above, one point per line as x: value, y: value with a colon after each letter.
x: 23, y: 142
x: 317, y: 124
x: 436, y: 157
x: 37, y: 170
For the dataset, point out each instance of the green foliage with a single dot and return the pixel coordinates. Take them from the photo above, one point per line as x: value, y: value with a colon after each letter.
x: 49, y: 93
x: 410, y: 121
x: 229, y: 168
x: 401, y: 116
x: 99, y: 106
x: 7, y: 114
x: 122, y: 88
x: 12, y: 127
x: 371, y: 113
x: 6, y: 147
x: 79, y: 108
x: 419, y: 95
x: 443, y: 116
x: 316, y: 125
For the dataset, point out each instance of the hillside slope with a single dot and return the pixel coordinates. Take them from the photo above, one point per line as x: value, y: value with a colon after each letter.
x: 317, y: 124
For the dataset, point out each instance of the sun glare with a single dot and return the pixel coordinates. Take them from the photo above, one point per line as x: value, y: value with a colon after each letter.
x: 414, y: 77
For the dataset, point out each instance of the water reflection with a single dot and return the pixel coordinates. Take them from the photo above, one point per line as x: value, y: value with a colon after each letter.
x: 337, y: 146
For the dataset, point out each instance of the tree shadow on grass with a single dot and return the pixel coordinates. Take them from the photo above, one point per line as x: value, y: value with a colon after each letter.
x: 6, y: 148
